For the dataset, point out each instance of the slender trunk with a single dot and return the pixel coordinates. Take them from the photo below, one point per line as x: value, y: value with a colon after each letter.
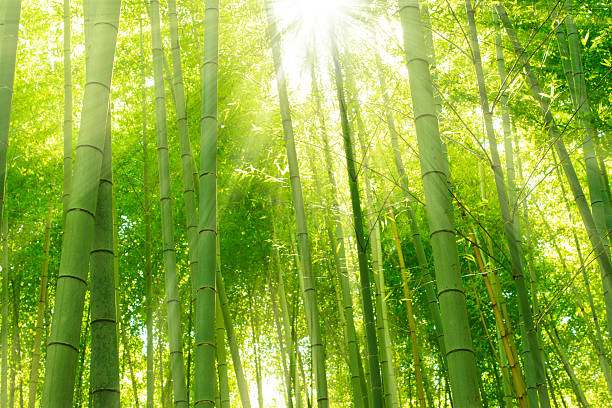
x: 309, y: 291
x: 254, y: 327
x: 337, y: 245
x: 558, y: 348
x: 147, y: 224
x: 243, y: 386
x: 430, y: 290
x: 416, y: 356
x: 40, y: 313
x: 582, y: 105
x: 536, y: 381
x: 603, y: 256
x: 63, y: 345
x: 460, y: 354
x: 104, y: 376
x: 364, y: 273
x: 67, y: 109
x: 187, y: 161
x: 288, y: 335
x: 224, y: 395
x: 282, y: 343
x: 5, y: 301
x: 15, y: 346
x: 10, y: 12
x: 82, y: 352
x: 169, y: 255
x: 204, y: 281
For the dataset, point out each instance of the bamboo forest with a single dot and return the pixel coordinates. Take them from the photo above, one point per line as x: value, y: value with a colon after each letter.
x: 305, y: 203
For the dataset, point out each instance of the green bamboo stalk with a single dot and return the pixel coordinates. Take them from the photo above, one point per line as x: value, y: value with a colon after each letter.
x: 284, y: 309
x: 416, y: 357
x: 104, y: 369
x: 40, y: 313
x: 281, y: 343
x: 5, y: 301
x: 430, y: 290
x: 63, y: 345
x: 582, y: 105
x: 536, y: 380
x: 169, y: 255
x: 598, y: 342
x: 309, y: 291
x: 147, y: 224
x: 558, y: 348
x: 204, y: 284
x: 15, y: 341
x: 67, y: 109
x: 457, y: 338
x: 10, y: 12
x: 336, y: 238
x: 187, y: 161
x: 364, y: 273
x: 243, y: 386
x: 603, y: 257
x: 224, y: 395
x: 255, y: 332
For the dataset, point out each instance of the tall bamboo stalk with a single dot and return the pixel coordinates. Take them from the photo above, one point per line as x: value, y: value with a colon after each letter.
x: 146, y: 192
x: 204, y: 282
x: 104, y: 369
x: 430, y: 290
x: 224, y: 395
x: 309, y: 290
x: 40, y: 313
x: 603, y: 257
x: 10, y: 12
x: 336, y: 238
x: 536, y: 380
x: 364, y: 273
x: 5, y: 302
x: 243, y: 386
x: 416, y: 357
x: 63, y: 345
x: 169, y: 255
x: 67, y: 108
x: 457, y: 338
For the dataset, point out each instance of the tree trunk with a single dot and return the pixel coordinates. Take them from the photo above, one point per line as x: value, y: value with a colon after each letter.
x: 536, y: 381
x: 63, y: 346
x: 309, y: 291
x: 416, y: 356
x: 40, y: 313
x: 10, y: 12
x: 147, y: 224
x: 169, y: 255
x: 337, y: 245
x: 104, y: 369
x: 243, y: 385
x: 603, y: 256
x: 457, y: 338
x: 67, y: 109
x: 204, y: 283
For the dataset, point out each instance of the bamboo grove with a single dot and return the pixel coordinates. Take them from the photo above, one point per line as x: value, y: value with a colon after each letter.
x: 300, y: 204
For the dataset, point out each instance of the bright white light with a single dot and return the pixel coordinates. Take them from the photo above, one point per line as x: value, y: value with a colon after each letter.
x: 314, y: 17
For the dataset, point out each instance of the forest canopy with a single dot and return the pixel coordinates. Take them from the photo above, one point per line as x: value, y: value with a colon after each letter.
x: 293, y: 203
